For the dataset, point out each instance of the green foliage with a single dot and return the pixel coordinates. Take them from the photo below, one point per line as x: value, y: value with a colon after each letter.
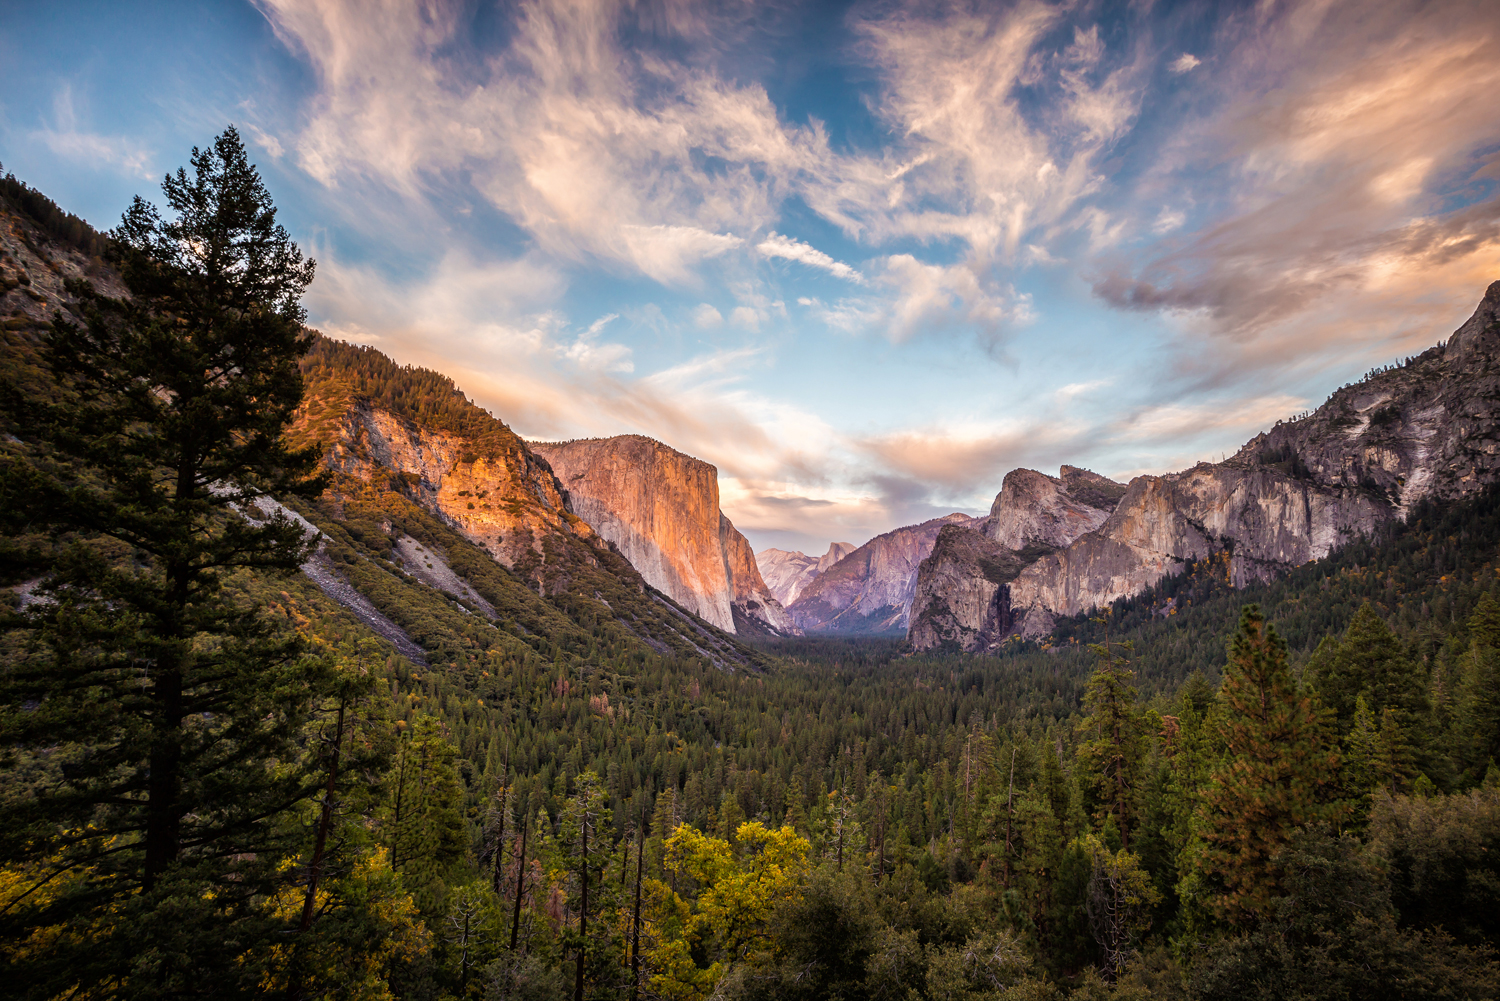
x: 1276, y: 777
x: 1111, y: 756
x: 1443, y: 858
x: 1369, y: 661
x: 422, y: 825
x: 1477, y: 711
x: 1332, y: 935
x: 339, y: 374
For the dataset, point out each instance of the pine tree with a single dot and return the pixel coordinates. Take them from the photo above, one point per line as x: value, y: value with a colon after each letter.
x: 1477, y: 710
x: 423, y: 827
x: 1114, y: 744
x: 1278, y: 774
x: 1368, y: 658
x: 149, y: 462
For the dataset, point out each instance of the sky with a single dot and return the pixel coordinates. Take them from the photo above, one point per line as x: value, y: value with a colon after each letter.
x: 865, y: 258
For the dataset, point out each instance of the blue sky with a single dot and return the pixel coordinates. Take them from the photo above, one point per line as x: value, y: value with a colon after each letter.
x: 864, y: 257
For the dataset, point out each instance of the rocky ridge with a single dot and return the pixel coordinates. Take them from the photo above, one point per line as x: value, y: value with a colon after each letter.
x: 961, y: 598
x: 401, y: 439
x: 871, y: 589
x: 1428, y: 428
x: 787, y: 574
x: 660, y: 509
x: 483, y: 482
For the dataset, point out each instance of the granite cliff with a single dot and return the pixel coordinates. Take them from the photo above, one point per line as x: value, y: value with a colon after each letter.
x: 660, y: 509
x: 394, y: 436
x: 870, y: 590
x: 788, y: 573
x: 1428, y: 428
x: 961, y: 598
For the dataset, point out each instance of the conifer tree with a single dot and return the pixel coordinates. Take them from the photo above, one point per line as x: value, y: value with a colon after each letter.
x: 423, y: 827
x: 1368, y: 658
x: 1114, y: 744
x: 1278, y: 774
x: 160, y: 431
x: 1477, y: 713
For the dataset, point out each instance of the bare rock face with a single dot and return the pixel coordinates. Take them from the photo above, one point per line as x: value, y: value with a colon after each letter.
x: 870, y: 590
x: 660, y: 508
x: 506, y: 501
x: 836, y: 552
x: 1035, y: 509
x: 1429, y: 428
x: 753, y: 604
x: 787, y: 574
x: 1270, y: 522
x: 962, y: 601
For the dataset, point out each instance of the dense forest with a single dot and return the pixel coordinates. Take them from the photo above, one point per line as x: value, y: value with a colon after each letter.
x: 219, y: 781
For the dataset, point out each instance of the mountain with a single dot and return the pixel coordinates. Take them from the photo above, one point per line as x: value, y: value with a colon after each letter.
x: 1426, y: 429
x: 408, y: 449
x: 660, y: 509
x: 870, y: 590
x: 958, y: 589
x: 788, y: 573
x: 441, y: 531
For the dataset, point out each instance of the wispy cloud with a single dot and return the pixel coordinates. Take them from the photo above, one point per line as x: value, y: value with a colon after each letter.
x: 776, y: 245
x: 1339, y: 168
x: 1326, y: 191
x: 65, y: 138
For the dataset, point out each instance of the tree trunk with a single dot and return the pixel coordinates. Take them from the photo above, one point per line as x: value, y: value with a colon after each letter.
x: 500, y: 834
x: 315, y: 870
x: 635, y: 941
x: 163, y: 793
x: 583, y: 913
x: 515, y: 921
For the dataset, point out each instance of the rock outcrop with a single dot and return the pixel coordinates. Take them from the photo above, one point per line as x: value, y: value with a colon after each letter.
x: 961, y: 599
x: 870, y: 590
x: 1033, y: 508
x: 788, y: 573
x: 505, y: 500
x: 660, y: 509
x: 1429, y: 428
x: 751, y: 601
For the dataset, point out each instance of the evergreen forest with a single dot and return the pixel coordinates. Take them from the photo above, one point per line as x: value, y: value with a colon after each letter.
x: 217, y: 781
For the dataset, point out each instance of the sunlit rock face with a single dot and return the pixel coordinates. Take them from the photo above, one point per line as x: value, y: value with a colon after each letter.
x: 787, y: 574
x: 660, y: 508
x: 870, y: 590
x: 507, y: 501
x: 1427, y: 429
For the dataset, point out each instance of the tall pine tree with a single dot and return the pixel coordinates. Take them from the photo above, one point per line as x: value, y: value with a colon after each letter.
x: 157, y: 715
x: 1278, y: 775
